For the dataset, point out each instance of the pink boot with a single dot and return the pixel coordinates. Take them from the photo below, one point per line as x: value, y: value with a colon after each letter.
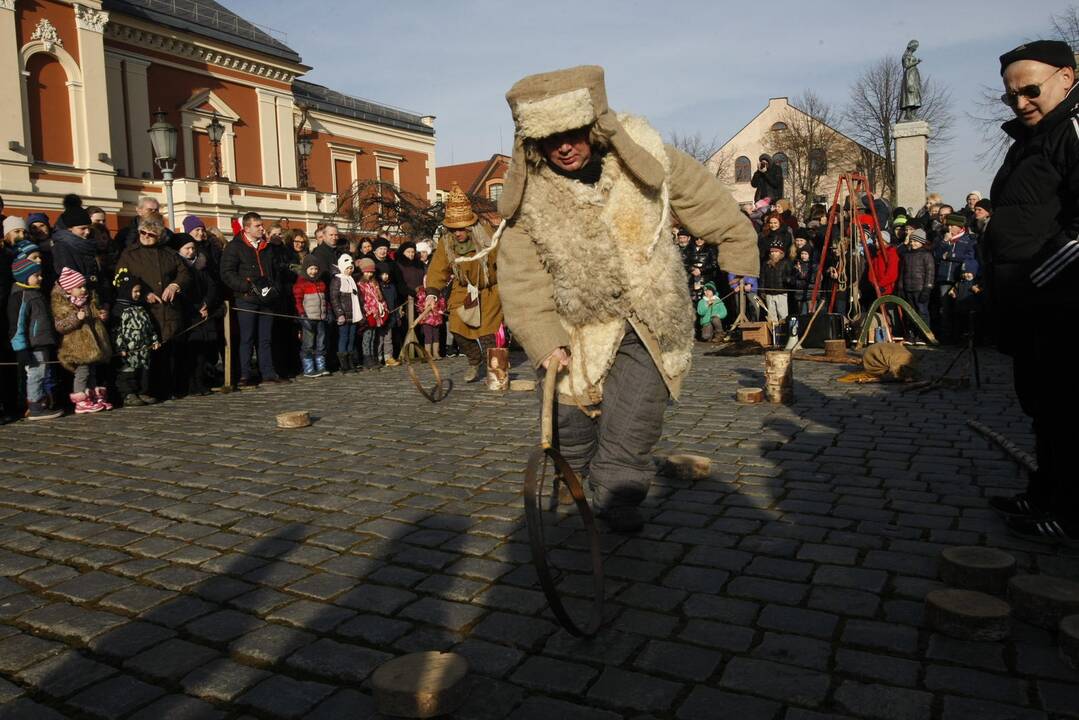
x: 100, y: 395
x: 83, y: 403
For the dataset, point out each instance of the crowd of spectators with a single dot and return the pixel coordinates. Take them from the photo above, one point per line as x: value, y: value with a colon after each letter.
x: 929, y: 258
x: 90, y: 321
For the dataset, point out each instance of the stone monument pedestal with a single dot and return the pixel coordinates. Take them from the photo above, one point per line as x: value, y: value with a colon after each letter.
x: 911, y: 161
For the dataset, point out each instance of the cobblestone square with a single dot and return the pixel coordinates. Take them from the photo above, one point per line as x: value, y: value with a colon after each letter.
x: 191, y: 560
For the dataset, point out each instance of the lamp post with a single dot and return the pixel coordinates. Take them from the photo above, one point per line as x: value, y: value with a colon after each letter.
x: 163, y: 139
x: 215, y: 130
x: 304, y: 144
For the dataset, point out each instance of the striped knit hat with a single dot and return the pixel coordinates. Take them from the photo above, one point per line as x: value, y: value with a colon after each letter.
x: 23, y: 268
x: 70, y: 279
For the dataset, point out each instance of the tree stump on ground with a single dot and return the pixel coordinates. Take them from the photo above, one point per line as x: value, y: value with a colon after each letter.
x: 835, y: 349
x: 968, y: 615
x: 420, y: 685
x: 1043, y: 600
x: 977, y: 568
x: 686, y: 467
x: 294, y: 419
x: 1069, y: 641
x: 778, y: 377
x: 498, y: 369
x: 750, y: 396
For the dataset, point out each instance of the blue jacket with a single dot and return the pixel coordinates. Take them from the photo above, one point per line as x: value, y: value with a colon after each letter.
x: 29, y: 319
x: 954, y: 259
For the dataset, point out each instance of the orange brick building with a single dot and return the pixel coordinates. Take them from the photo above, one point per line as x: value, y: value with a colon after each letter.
x: 82, y: 80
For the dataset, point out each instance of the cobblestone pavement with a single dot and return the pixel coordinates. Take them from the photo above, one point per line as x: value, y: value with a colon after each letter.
x: 192, y: 561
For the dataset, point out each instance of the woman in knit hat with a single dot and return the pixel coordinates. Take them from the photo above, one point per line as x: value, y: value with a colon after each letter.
x: 465, y: 257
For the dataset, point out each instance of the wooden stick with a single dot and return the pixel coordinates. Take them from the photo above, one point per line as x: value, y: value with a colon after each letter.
x: 812, y: 319
x: 550, y: 382
x: 1017, y: 453
x: 228, y: 345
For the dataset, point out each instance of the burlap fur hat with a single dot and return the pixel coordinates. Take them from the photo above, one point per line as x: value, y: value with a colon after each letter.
x: 554, y: 102
x: 459, y: 213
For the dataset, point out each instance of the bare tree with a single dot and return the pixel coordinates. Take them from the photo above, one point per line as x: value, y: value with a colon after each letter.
x: 695, y: 145
x: 1066, y: 26
x: 813, y: 147
x: 873, y: 108
x: 706, y: 152
x: 374, y: 207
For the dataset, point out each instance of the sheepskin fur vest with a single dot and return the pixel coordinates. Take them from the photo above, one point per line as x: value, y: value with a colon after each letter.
x: 607, y: 248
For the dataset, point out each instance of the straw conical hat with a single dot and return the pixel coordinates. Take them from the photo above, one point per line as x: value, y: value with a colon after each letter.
x: 458, y: 210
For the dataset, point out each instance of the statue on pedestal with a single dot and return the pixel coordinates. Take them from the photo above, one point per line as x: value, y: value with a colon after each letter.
x: 910, y: 96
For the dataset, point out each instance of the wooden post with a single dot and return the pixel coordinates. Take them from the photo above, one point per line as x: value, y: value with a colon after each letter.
x: 228, y: 347
x: 778, y: 377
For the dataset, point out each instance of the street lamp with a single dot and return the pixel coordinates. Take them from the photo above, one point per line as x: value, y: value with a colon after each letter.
x: 215, y: 130
x: 304, y: 143
x: 163, y: 139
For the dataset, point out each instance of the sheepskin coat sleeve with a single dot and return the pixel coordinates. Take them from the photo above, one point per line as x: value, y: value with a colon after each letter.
x: 706, y: 207
x: 528, y: 297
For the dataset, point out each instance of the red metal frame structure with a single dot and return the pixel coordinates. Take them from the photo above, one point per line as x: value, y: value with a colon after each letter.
x: 855, y: 185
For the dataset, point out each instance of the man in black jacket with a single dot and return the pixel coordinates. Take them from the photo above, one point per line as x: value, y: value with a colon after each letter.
x: 249, y: 269
x: 1031, y: 248
x: 768, y: 179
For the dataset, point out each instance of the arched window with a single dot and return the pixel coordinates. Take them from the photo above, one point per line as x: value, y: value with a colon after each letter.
x: 742, y: 169
x: 781, y: 160
x: 779, y: 126
x: 494, y: 192
x: 50, y: 110
x: 818, y: 161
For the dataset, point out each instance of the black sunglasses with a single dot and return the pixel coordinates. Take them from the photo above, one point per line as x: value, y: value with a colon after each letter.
x: 1011, y: 99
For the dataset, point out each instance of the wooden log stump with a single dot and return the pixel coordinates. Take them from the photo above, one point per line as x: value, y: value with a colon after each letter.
x: 294, y: 419
x: 977, y: 568
x: 498, y: 369
x: 778, y: 376
x: 968, y: 615
x: 1043, y: 600
x: 750, y: 396
x: 420, y: 685
x: 522, y: 385
x: 686, y: 467
x: 1069, y: 641
x: 835, y: 349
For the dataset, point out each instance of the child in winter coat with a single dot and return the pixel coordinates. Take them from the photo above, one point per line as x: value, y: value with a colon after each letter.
x: 84, y: 341
x: 388, y: 287
x: 133, y: 336
x: 429, y: 327
x: 374, y: 308
x: 347, y: 310
x: 710, y: 313
x: 309, y: 291
x: 802, y: 280
x: 32, y: 335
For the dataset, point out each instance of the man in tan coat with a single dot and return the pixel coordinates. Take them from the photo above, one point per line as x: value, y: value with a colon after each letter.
x: 591, y: 283
x: 465, y: 258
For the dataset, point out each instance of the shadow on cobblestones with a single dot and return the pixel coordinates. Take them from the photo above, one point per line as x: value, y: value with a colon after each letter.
x: 219, y: 567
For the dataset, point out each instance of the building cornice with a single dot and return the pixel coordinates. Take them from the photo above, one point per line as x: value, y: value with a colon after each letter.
x: 125, y: 30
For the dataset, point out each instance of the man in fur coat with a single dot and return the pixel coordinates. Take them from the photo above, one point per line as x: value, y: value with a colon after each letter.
x: 592, y: 284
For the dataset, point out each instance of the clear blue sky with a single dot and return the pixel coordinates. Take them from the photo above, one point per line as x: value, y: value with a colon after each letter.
x: 687, y: 66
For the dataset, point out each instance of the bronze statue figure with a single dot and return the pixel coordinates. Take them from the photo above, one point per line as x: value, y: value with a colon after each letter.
x: 910, y: 97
